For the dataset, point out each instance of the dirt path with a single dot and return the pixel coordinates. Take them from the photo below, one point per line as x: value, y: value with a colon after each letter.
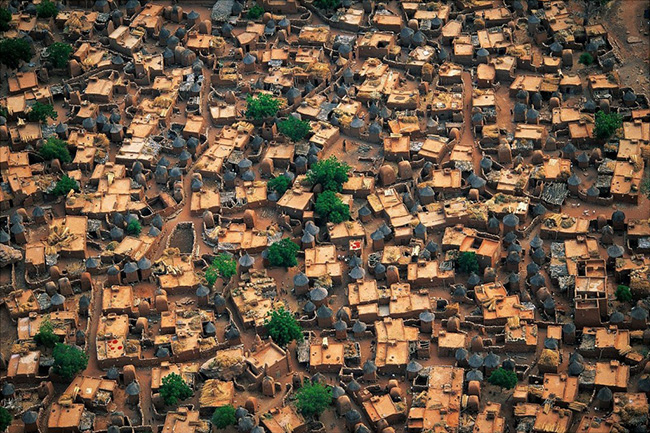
x: 628, y: 32
x: 467, y: 134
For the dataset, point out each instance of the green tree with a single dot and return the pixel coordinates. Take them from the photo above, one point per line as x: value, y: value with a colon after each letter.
x: 5, y: 419
x: 586, y: 59
x: 327, y: 4
x: 330, y: 207
x: 279, y: 184
x: 13, y: 50
x: 223, y: 265
x: 283, y: 327
x: 224, y: 416
x: 255, y: 12
x: 294, y: 128
x: 40, y: 112
x: 64, y: 186
x: 283, y: 253
x: 68, y: 360
x: 46, y: 336
x: 47, y: 9
x: 607, y: 124
x: 313, y: 399
x: 503, y: 378
x: 59, y: 53
x: 55, y: 148
x: 174, y: 389
x: 467, y: 262
x: 623, y: 293
x: 5, y: 19
x: 262, y: 106
x: 134, y: 227
x: 330, y: 173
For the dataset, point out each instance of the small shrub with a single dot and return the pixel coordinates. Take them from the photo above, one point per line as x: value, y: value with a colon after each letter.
x: 13, y: 50
x: 607, y: 124
x: 645, y: 186
x: 255, y: 12
x: 46, y: 336
x: 283, y: 253
x: 40, y: 113
x: 504, y: 378
x: 283, y: 327
x: 294, y: 128
x: 64, y: 186
x: 55, y: 148
x: 623, y: 293
x: 330, y: 207
x: 279, y: 184
x: 59, y: 53
x: 223, y: 265
x: 68, y: 360
x: 312, y: 400
x: 586, y: 59
x: 224, y: 416
x: 174, y: 389
x: 262, y: 106
x: 47, y: 9
x: 134, y: 227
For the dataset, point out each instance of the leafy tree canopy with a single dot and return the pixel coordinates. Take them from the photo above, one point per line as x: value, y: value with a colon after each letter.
x: 55, y: 148
x: 5, y: 419
x: 5, y: 19
x: 46, y: 336
x: 262, y: 106
x: 607, y: 124
x: 47, y: 9
x: 224, y: 416
x: 283, y: 253
x: 134, y: 227
x: 467, y: 262
x: 13, y: 50
x: 59, y: 53
x: 330, y: 207
x: 69, y: 360
x: 503, y: 378
x: 40, y: 113
x: 64, y: 186
x: 586, y: 59
x: 294, y: 128
x: 223, y: 265
x: 623, y: 293
x: 283, y: 327
x: 174, y: 389
x: 312, y: 400
x: 279, y: 184
x: 255, y: 12
x: 330, y: 173
x: 327, y: 4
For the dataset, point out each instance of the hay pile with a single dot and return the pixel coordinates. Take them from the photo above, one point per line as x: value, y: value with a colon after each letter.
x: 59, y: 238
x: 213, y: 391
x: 162, y: 102
x: 549, y: 358
x: 319, y: 70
